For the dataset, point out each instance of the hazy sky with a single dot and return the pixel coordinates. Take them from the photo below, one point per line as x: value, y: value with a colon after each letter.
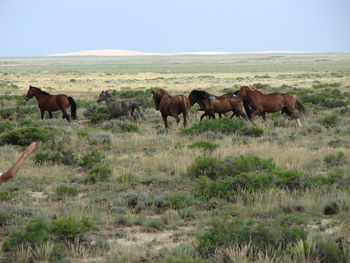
x: 41, y: 27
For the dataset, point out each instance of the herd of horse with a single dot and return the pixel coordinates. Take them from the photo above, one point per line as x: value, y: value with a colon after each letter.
x: 245, y: 103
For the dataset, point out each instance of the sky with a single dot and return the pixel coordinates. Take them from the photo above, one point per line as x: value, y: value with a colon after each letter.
x: 42, y: 27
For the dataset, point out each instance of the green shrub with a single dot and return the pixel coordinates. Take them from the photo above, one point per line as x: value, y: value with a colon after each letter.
x: 205, y: 145
x: 178, y: 200
x: 225, y: 126
x: 335, y: 159
x: 261, y: 235
x: 96, y: 113
x: 64, y: 190
x: 70, y: 228
x: 127, y: 178
x: 329, y: 252
x: 5, y: 217
x: 62, y: 156
x: 25, y: 136
x: 261, y: 86
x: 5, y: 195
x: 223, y: 179
x: 330, y: 121
x: 6, y: 126
x: 154, y: 224
x: 91, y: 159
x: 332, y: 208
x: 36, y: 232
x: 99, y: 173
x: 325, y: 85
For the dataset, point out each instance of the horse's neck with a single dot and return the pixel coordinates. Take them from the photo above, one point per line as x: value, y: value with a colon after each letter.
x: 40, y: 95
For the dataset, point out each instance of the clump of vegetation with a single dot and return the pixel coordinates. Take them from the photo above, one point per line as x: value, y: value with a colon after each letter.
x: 120, y: 126
x: 223, y: 179
x: 326, y: 85
x: 261, y: 86
x: 99, y: 173
x: 25, y: 136
x: 205, y: 145
x: 6, y: 126
x: 40, y: 230
x: 64, y: 190
x: 127, y: 178
x: 96, y: 113
x: 63, y: 155
x: 224, y: 125
x: 91, y: 159
x: 335, y: 159
x: 330, y: 121
x: 260, y: 235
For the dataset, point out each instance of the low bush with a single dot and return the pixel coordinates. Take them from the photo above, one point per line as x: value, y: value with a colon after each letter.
x: 62, y: 156
x: 25, y: 136
x: 335, y: 159
x: 41, y: 230
x: 99, y: 173
x: 91, y: 159
x: 64, y: 190
x: 260, y: 235
x: 70, y: 228
x: 6, y: 126
x: 330, y: 121
x: 225, y: 126
x: 223, y: 179
x: 127, y: 178
x: 178, y: 200
x: 96, y: 113
x: 205, y: 145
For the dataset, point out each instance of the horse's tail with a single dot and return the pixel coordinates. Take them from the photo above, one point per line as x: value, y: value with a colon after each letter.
x: 185, y: 105
x: 248, y: 109
x: 73, y: 107
x: 301, y: 108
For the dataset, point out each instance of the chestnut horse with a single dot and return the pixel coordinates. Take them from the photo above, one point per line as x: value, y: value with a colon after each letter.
x: 212, y: 104
x: 262, y: 103
x: 171, y: 105
x: 50, y: 103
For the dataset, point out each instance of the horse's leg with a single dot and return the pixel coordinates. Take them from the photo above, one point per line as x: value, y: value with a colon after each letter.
x: 220, y: 115
x: 50, y: 114
x: 203, y: 115
x: 42, y: 112
x: 263, y: 115
x: 65, y: 115
x: 165, y: 119
x: 185, y: 119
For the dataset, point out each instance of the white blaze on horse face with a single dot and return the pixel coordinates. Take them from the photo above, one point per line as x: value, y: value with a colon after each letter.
x: 299, y: 122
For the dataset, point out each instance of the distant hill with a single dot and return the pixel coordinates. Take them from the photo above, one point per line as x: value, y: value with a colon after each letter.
x: 125, y: 53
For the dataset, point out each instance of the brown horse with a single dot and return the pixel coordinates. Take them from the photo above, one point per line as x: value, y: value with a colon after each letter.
x: 212, y: 104
x: 171, y: 105
x: 50, y: 103
x: 262, y: 103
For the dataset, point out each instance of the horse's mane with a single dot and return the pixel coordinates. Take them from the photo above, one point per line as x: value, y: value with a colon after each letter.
x: 46, y: 93
x: 161, y: 92
x: 200, y: 94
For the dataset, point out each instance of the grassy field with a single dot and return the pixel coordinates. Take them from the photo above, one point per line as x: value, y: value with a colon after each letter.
x: 100, y: 191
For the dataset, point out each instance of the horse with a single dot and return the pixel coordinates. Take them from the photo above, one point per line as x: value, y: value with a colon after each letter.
x: 212, y: 104
x: 171, y: 105
x: 51, y: 103
x: 262, y: 103
x: 117, y: 108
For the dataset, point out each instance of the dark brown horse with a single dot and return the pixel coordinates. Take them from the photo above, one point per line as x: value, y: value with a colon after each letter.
x: 171, y: 105
x: 212, y: 104
x: 262, y: 103
x: 50, y: 103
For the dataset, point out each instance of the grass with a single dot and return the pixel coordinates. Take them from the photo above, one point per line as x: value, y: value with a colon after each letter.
x: 131, y: 179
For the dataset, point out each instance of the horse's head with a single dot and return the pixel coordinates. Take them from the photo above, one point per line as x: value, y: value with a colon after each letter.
x: 103, y: 96
x: 192, y: 98
x: 157, y: 97
x: 30, y: 93
x: 243, y: 93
